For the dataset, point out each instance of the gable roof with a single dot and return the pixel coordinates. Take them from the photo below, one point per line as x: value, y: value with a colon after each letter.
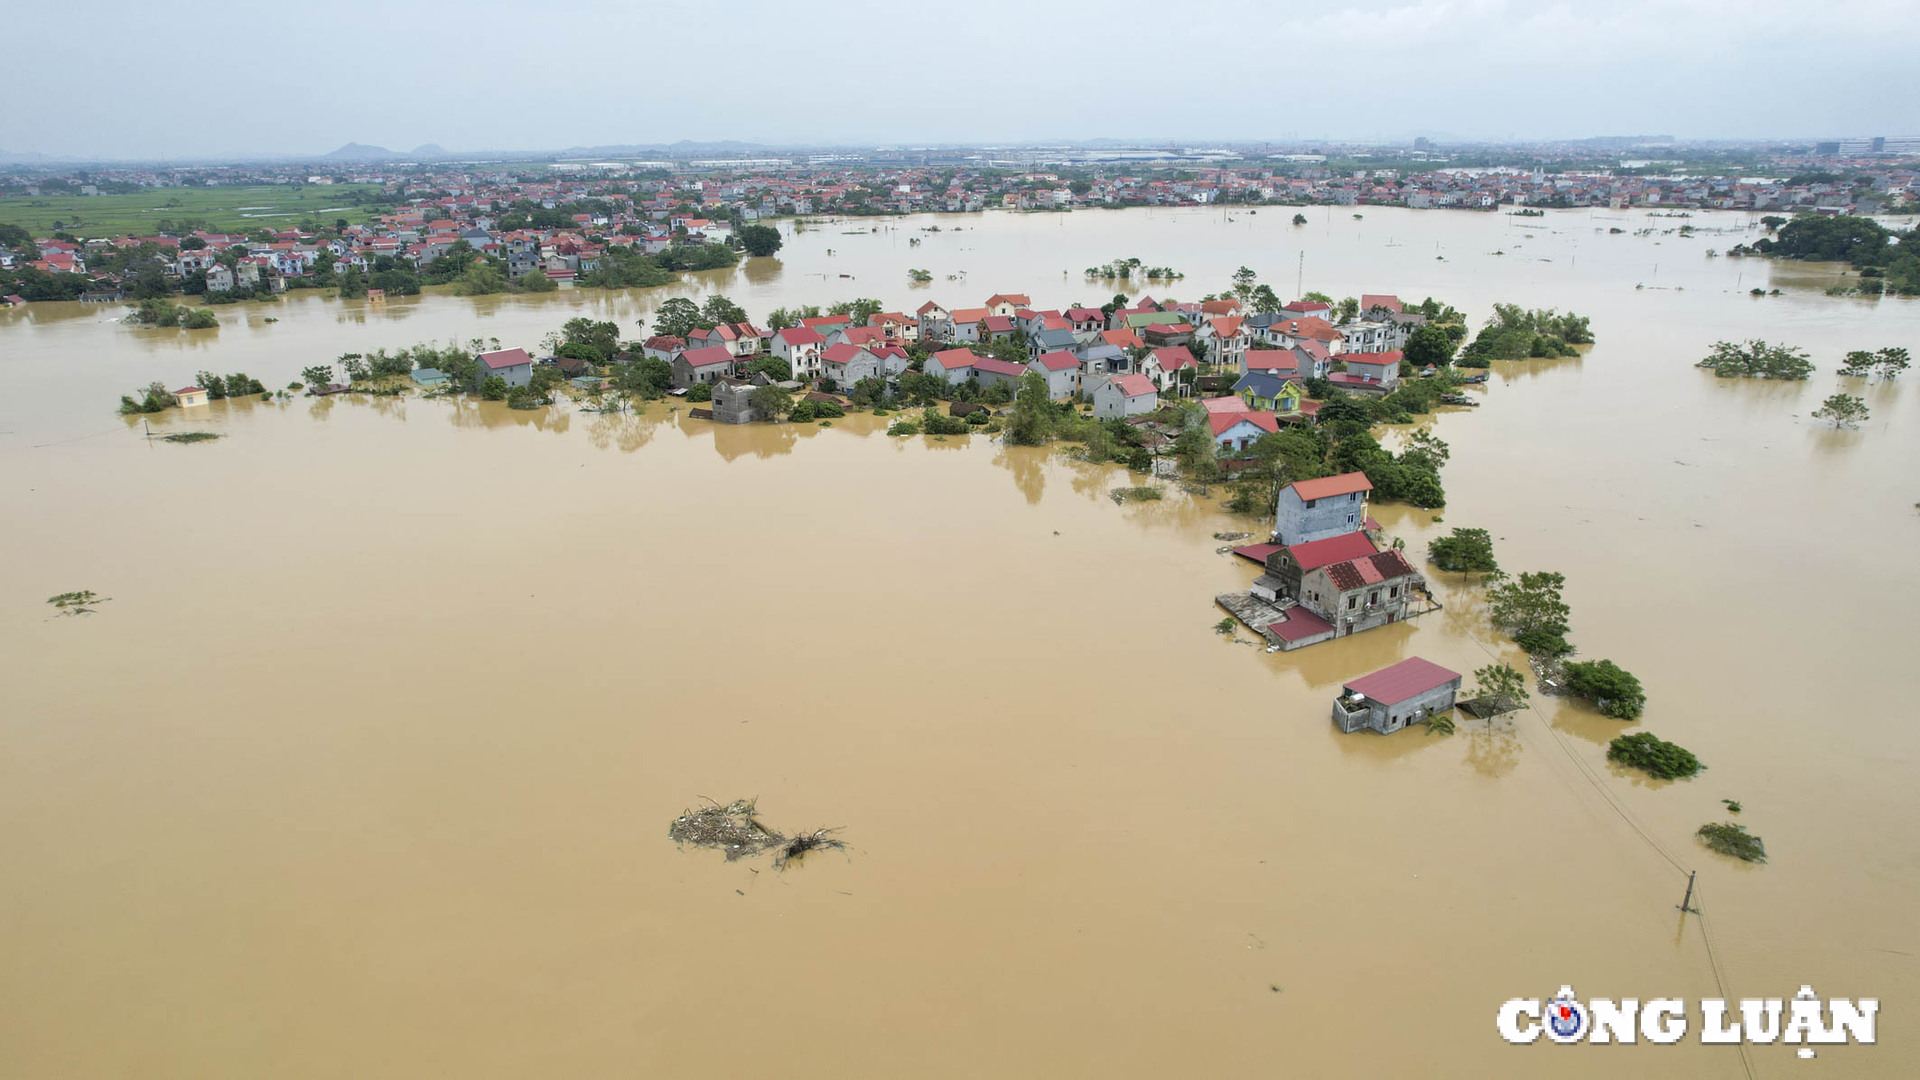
x: 1272, y: 360
x: 1310, y: 328
x: 1369, y: 301
x: 1223, y: 422
x: 1132, y: 385
x: 1016, y: 299
x: 970, y: 315
x: 1390, y: 358
x: 1266, y: 384
x: 800, y: 335
x: 1315, y: 554
x: 841, y: 353
x: 1175, y: 357
x: 954, y: 359
x: 1328, y: 486
x: 505, y: 358
x: 1409, y: 677
x: 993, y: 365
x: 1228, y: 404
x: 1057, y: 360
x: 712, y: 354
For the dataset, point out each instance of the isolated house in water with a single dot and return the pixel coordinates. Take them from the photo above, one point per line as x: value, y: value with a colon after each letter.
x: 1393, y: 697
x: 1316, y: 509
x: 512, y: 365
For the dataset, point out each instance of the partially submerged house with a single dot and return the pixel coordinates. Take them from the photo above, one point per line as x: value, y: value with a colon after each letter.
x: 189, y: 396
x: 513, y: 365
x: 1317, y: 509
x: 702, y: 366
x: 1408, y: 692
x: 733, y: 400
x: 1369, y: 373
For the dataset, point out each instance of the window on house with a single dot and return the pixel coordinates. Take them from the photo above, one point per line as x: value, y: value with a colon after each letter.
x: 1351, y: 601
x: 1393, y: 591
x: 1373, y: 597
x: 1310, y: 502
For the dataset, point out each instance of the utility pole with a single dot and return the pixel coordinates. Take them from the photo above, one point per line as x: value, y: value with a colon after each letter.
x: 1300, y: 277
x: 1686, y: 902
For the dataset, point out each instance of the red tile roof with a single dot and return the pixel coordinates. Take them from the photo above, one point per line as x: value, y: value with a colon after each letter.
x: 1369, y: 301
x: 800, y: 335
x: 1223, y: 422
x: 1133, y: 385
x: 1409, y: 677
x: 995, y: 366
x: 1175, y: 357
x: 1328, y: 486
x: 1369, y: 570
x: 1228, y: 404
x: 1391, y: 357
x: 1057, y: 360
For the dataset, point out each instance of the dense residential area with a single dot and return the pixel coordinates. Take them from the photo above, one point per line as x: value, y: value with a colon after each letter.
x: 389, y: 229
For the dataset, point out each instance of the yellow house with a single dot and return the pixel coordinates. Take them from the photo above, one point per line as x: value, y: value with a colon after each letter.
x: 189, y: 396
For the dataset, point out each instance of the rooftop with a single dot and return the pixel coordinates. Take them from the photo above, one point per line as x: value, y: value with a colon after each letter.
x: 1409, y: 677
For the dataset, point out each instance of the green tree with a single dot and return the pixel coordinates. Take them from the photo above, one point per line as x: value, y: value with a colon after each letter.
x: 318, y: 377
x: 1530, y: 602
x: 679, y: 317
x: 1347, y: 309
x: 1757, y: 360
x: 772, y: 367
x: 1845, y: 410
x: 1660, y: 759
x: 198, y: 319
x: 1032, y: 421
x: 1466, y: 551
x: 1611, y: 688
x: 601, y: 336
x: 718, y: 309
x: 533, y: 281
x: 861, y: 309
x: 1299, y: 219
x: 700, y: 392
x: 480, y: 279
x: 1502, y: 687
x: 772, y: 402
x: 1429, y: 344
x: 759, y: 240
x: 493, y: 388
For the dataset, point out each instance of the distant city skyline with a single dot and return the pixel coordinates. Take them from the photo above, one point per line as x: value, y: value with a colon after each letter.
x: 237, y: 82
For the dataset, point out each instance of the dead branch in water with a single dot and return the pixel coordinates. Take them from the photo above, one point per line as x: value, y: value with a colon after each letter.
x: 735, y: 830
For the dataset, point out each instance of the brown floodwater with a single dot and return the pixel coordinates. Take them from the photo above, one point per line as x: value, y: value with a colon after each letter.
x: 366, y: 767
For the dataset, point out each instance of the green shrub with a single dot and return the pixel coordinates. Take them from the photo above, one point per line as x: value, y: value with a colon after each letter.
x: 700, y: 392
x: 903, y: 427
x: 803, y: 413
x: 1729, y: 839
x: 1611, y: 688
x: 1543, y: 643
x: 1660, y: 759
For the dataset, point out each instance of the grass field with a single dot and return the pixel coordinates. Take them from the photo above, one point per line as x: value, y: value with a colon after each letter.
x: 224, y: 208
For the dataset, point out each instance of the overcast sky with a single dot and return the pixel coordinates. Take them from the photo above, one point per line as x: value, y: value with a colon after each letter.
x: 140, y: 79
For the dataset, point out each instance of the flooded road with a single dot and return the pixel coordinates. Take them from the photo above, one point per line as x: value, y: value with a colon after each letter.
x: 366, y: 767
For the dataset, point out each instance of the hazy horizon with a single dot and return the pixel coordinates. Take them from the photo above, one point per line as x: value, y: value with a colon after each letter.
x: 244, y: 81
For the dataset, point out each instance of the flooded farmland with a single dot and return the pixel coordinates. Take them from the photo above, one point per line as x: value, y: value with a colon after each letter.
x: 366, y: 766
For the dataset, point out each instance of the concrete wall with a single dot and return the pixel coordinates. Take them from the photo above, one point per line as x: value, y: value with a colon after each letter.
x: 517, y: 375
x: 1297, y: 523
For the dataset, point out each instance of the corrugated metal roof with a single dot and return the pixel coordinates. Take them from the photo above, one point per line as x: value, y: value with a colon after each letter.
x: 1392, y: 685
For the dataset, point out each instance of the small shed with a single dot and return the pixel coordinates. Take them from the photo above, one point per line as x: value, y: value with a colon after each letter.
x: 1393, y: 697
x: 189, y: 396
x: 427, y: 376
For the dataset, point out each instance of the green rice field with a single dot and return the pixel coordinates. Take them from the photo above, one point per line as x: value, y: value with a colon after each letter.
x: 223, y: 208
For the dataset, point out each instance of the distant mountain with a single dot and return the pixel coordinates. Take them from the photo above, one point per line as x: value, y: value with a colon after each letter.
x: 354, y: 151
x: 429, y: 150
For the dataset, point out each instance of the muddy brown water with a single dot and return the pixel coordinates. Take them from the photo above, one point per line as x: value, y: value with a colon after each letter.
x: 366, y: 768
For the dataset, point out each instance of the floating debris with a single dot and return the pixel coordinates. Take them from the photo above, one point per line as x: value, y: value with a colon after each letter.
x: 736, y: 830
x: 189, y: 437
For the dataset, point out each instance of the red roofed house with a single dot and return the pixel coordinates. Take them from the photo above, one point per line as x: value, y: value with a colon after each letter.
x: 702, y: 365
x: 1393, y: 697
x: 1360, y: 594
x: 800, y: 347
x: 847, y: 364
x: 1288, y: 564
x: 1307, y: 309
x: 1233, y: 432
x: 1061, y: 369
x: 1316, y: 509
x: 189, y: 396
x: 1369, y: 373
x: 1369, y: 301
x: 513, y: 365
x: 663, y: 347
x: 1125, y: 395
x: 1164, y: 366
x: 1004, y: 304
x: 990, y: 370
x: 953, y: 365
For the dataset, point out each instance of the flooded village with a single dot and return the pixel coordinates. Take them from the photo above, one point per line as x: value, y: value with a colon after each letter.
x: 411, y: 781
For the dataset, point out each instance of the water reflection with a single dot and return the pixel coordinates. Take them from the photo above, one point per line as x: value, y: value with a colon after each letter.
x: 1027, y: 464
x: 1493, y: 746
x: 764, y: 270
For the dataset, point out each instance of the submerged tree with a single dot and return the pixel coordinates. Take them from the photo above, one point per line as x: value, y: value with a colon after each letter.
x: 1501, y: 686
x: 1467, y: 551
x: 1757, y: 360
x: 1845, y: 410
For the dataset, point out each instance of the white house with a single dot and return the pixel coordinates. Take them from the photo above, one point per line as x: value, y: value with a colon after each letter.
x: 1125, y: 395
x: 800, y: 347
